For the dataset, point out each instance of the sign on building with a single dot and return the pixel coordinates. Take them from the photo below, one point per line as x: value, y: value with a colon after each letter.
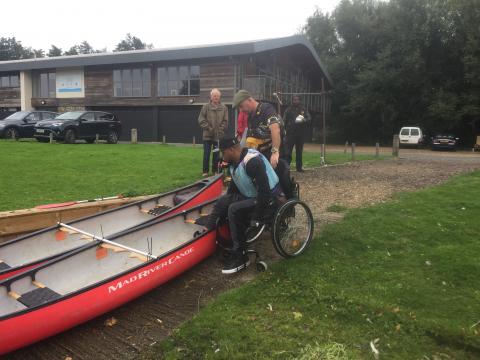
x: 70, y: 83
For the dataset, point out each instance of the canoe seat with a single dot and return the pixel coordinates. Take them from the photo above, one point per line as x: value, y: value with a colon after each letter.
x: 158, y: 210
x: 4, y: 266
x: 38, y: 296
x: 202, y: 220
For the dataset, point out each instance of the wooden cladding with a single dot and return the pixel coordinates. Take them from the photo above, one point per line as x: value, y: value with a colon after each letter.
x: 99, y: 88
x: 10, y: 97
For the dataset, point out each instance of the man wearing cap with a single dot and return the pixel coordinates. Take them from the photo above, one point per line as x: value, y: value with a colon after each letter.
x: 253, y: 187
x: 296, y: 117
x: 265, y: 134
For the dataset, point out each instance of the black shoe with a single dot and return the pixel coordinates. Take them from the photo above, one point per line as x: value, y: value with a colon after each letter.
x: 300, y: 170
x: 235, y: 262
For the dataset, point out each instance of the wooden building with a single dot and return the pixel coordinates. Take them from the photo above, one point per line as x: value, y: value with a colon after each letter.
x: 160, y: 91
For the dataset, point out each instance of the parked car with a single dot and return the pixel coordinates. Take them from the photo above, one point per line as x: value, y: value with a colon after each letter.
x: 84, y: 125
x: 444, y: 142
x: 21, y: 124
x: 411, y: 136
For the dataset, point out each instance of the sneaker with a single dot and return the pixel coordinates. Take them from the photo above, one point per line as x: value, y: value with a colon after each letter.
x: 205, y: 174
x: 235, y: 262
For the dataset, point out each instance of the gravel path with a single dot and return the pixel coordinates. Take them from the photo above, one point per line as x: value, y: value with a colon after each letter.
x: 152, y: 317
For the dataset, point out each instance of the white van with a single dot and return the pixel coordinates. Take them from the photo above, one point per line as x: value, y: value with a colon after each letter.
x: 412, y: 136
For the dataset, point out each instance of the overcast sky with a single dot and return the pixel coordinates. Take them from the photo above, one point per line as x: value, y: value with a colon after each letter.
x: 163, y: 23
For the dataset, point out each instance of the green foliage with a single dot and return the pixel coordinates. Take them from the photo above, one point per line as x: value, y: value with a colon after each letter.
x: 54, y: 51
x: 402, y: 62
x: 11, y: 49
x: 404, y: 272
x: 131, y: 43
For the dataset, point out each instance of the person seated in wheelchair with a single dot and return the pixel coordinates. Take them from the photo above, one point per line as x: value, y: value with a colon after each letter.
x: 252, y: 191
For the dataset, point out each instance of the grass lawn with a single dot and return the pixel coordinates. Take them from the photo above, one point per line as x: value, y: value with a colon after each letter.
x: 405, y: 272
x: 35, y: 173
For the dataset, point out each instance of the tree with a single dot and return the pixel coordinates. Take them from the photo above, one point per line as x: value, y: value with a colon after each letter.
x: 400, y: 62
x: 54, y: 51
x: 132, y: 43
x: 11, y: 49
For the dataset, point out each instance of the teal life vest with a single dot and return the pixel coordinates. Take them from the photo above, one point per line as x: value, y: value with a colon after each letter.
x: 244, y: 183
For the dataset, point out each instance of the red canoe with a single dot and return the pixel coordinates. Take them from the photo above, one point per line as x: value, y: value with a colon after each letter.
x: 30, y: 250
x: 99, y: 277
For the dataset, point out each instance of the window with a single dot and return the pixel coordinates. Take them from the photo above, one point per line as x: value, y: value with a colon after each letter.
x: 44, y: 85
x: 404, y: 132
x: 132, y: 82
x: 414, y: 132
x: 46, y: 116
x: 33, y: 117
x: 88, y: 116
x: 178, y: 80
x: 104, y: 116
x: 9, y: 81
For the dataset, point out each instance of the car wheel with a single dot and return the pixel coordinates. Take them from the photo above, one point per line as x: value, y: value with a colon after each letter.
x: 70, y: 136
x: 112, y: 137
x: 43, y: 140
x: 90, y: 141
x: 12, y: 133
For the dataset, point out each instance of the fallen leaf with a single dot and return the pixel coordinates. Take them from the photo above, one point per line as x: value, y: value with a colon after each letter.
x: 269, y: 307
x: 397, y: 328
x: 373, y: 346
x: 297, y: 315
x: 111, y: 321
x: 68, y: 358
x: 159, y: 321
x: 396, y: 310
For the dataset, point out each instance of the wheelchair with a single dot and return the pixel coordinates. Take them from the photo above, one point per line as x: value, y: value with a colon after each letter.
x: 291, y: 227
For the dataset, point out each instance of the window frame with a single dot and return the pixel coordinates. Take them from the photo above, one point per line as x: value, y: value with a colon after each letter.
x: 123, y: 82
x: 163, y: 84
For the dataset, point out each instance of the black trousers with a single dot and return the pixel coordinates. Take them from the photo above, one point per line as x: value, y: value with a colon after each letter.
x: 238, y: 209
x: 207, y: 149
x: 295, y: 139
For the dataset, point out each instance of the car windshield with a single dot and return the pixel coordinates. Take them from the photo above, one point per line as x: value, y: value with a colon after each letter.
x: 17, y: 116
x: 71, y: 115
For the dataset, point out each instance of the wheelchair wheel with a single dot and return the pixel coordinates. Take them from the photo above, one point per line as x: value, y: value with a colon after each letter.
x: 253, y: 233
x: 292, y: 228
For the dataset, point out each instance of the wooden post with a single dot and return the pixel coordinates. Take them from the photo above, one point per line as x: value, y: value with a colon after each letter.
x: 164, y: 139
x: 322, y: 160
x: 353, y: 151
x: 377, y: 150
x: 51, y: 138
x: 134, y: 136
x: 396, y: 145
x: 193, y: 141
x: 346, y: 145
x: 97, y: 138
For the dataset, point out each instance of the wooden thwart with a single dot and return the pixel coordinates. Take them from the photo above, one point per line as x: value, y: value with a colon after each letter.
x: 14, y: 295
x: 150, y: 256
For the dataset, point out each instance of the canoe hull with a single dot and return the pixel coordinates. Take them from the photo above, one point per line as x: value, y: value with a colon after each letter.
x: 211, y: 191
x: 37, y: 324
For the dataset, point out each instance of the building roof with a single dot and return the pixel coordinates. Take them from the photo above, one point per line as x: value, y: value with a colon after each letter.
x: 166, y: 54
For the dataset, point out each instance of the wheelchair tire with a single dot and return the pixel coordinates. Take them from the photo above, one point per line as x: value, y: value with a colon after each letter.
x: 292, y: 228
x: 253, y: 234
x: 262, y: 266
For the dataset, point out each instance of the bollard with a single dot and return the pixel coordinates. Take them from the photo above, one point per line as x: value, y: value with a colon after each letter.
x: 164, y: 139
x: 193, y: 142
x: 134, y: 136
x: 322, y: 157
x: 353, y: 151
x: 346, y: 145
x: 51, y: 138
x: 377, y: 150
x: 97, y: 138
x: 396, y: 146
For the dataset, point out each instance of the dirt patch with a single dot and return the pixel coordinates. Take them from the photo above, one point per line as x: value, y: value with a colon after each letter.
x: 153, y: 316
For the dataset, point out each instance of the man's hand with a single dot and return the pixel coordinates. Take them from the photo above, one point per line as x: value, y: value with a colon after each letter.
x: 274, y: 159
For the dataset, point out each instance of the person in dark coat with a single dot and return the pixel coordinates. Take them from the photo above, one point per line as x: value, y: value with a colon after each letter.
x: 296, y: 118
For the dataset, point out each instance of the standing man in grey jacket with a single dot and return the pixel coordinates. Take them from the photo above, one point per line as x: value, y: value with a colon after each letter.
x: 213, y: 120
